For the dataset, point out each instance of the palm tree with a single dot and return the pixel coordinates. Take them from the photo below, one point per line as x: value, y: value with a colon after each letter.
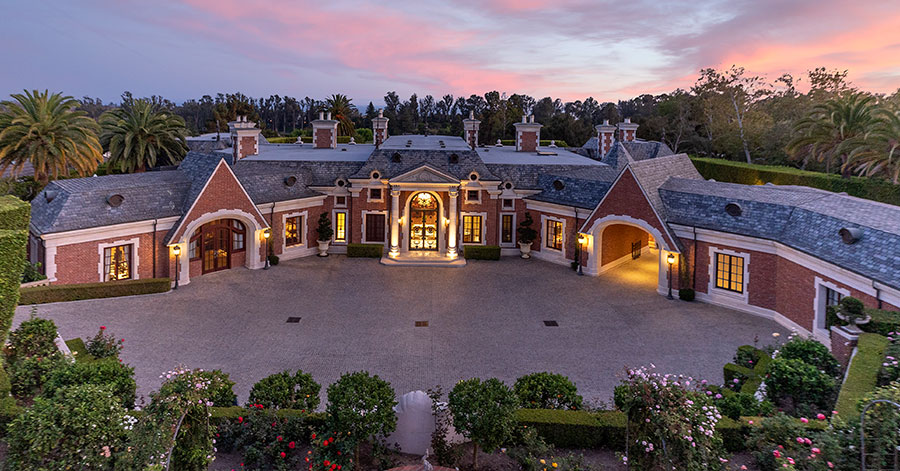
x: 46, y: 131
x: 833, y: 130
x: 879, y: 155
x: 142, y: 135
x: 341, y: 109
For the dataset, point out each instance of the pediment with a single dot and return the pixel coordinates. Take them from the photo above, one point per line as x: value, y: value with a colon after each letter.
x: 425, y: 174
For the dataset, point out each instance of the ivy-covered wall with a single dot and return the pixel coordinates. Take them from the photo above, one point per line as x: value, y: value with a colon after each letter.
x: 14, y: 217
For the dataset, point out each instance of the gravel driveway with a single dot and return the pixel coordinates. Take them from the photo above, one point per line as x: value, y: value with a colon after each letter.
x: 485, y: 319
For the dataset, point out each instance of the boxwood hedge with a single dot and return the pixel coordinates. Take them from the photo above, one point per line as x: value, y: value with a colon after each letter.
x: 365, y: 250
x: 481, y: 252
x: 862, y: 374
x: 14, y: 217
x: 58, y: 293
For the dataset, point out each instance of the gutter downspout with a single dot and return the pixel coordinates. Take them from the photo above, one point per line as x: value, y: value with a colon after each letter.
x: 154, y: 248
x: 877, y: 294
x: 694, y: 263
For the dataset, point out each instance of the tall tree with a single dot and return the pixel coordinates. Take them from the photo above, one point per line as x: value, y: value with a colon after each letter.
x: 879, y: 153
x: 833, y: 130
x: 142, y: 135
x: 342, y: 109
x: 46, y: 130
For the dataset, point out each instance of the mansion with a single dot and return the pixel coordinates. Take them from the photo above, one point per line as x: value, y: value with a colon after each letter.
x: 782, y: 252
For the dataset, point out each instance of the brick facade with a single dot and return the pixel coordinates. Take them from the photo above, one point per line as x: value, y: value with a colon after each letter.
x: 324, y: 138
x: 528, y: 141
x: 81, y: 262
x: 617, y: 240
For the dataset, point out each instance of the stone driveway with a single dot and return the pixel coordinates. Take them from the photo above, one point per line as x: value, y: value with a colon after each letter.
x: 485, y: 320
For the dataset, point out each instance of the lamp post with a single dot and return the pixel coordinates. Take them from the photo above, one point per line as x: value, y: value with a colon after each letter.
x: 177, y: 251
x: 671, y: 259
x: 581, y: 241
x: 266, y: 234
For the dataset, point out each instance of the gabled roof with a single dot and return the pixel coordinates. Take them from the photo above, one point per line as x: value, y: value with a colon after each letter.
x: 425, y: 174
x: 803, y: 218
x: 466, y: 162
x: 625, y: 152
x: 652, y: 173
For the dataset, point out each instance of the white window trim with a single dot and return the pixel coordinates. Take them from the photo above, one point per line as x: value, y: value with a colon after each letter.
x: 346, y: 226
x: 467, y: 200
x: 386, y: 227
x: 544, y: 235
x: 336, y: 205
x: 504, y: 200
x: 713, y: 290
x: 135, y: 259
x: 483, y: 216
x: 819, y: 307
x: 375, y: 200
x: 500, y: 231
x: 303, y: 234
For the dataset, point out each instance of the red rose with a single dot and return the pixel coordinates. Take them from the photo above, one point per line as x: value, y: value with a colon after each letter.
x: 314, y: 436
x: 278, y: 438
x: 283, y: 454
x: 326, y: 463
x: 339, y: 452
x: 291, y: 445
x: 240, y: 420
x: 102, y: 327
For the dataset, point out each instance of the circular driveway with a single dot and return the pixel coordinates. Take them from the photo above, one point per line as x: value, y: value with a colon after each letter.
x: 485, y: 320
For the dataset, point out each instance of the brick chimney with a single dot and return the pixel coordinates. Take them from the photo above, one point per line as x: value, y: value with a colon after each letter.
x: 244, y: 138
x: 528, y: 135
x: 627, y: 130
x: 606, y: 134
x: 470, y: 126
x: 380, y: 128
x: 324, y: 132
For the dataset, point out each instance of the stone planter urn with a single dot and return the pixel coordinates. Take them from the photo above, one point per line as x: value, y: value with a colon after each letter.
x: 853, y: 312
x: 525, y: 248
x: 323, y: 248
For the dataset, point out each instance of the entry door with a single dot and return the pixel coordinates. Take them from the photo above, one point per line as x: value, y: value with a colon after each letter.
x: 216, y: 248
x: 423, y: 234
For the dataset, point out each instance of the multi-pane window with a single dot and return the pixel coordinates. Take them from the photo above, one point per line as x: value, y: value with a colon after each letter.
x: 340, y: 226
x: 730, y: 272
x: 194, y: 246
x: 117, y: 262
x: 471, y: 229
x: 473, y: 196
x: 293, y: 231
x: 375, y: 194
x: 237, y: 235
x: 508, y: 203
x: 506, y: 228
x: 375, y: 227
x: 554, y: 234
x: 832, y: 297
x: 340, y: 201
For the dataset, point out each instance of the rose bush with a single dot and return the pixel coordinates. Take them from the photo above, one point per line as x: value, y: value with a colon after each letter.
x: 286, y: 391
x: 104, y: 345
x: 265, y: 440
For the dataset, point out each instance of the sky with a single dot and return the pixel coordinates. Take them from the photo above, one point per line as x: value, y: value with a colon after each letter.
x: 569, y: 49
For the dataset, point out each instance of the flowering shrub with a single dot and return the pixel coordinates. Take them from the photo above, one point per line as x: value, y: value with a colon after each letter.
x: 104, y: 345
x: 81, y: 427
x: 890, y: 367
x: 331, y: 452
x: 798, y: 386
x: 31, y: 355
x: 670, y: 424
x: 736, y: 405
x: 266, y: 441
x: 220, y: 388
x: 286, y: 391
x: 547, y: 391
x: 174, y: 431
x: 361, y: 406
x: 812, y: 353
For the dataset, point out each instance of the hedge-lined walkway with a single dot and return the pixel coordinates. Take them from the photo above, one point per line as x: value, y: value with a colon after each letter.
x: 485, y: 320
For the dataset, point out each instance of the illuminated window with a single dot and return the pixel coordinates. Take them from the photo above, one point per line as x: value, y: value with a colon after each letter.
x: 471, y: 230
x: 293, y: 231
x: 730, y: 272
x: 237, y: 235
x: 554, y: 235
x: 340, y: 226
x: 117, y: 262
x: 506, y: 228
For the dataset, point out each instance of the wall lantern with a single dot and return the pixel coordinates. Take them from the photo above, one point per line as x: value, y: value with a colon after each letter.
x: 267, y: 233
x: 670, y: 258
x: 582, y: 238
x: 176, y: 250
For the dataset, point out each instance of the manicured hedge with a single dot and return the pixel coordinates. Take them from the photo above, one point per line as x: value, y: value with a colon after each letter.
x: 753, y: 174
x: 14, y: 217
x: 606, y: 429
x: 316, y: 420
x: 365, y: 250
x: 481, y: 252
x: 862, y: 375
x: 749, y: 379
x: 59, y: 293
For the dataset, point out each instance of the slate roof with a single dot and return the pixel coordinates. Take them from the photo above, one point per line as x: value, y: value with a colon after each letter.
x: 652, y: 173
x: 265, y: 181
x: 410, y: 159
x: 803, y: 218
x: 625, y: 152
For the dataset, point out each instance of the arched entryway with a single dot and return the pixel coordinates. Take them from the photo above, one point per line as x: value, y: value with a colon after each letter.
x: 218, y: 245
x: 424, y: 222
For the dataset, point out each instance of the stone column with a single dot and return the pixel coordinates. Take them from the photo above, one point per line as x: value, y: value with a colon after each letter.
x: 395, y: 223
x: 452, y: 231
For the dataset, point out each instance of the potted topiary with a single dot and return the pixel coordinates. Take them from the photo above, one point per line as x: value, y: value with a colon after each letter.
x: 853, y: 312
x: 325, y: 232
x: 527, y: 234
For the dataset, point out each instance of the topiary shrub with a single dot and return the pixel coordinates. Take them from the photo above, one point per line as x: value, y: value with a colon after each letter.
x: 812, y: 353
x: 286, y: 391
x: 547, y: 391
x: 108, y: 372
x: 483, y: 412
x: 799, y: 386
x: 323, y: 229
x: 220, y: 388
x: 686, y: 294
x: 78, y: 428
x: 361, y: 406
x: 273, y: 260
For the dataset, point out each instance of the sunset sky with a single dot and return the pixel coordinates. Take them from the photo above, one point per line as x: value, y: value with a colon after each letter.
x: 570, y: 49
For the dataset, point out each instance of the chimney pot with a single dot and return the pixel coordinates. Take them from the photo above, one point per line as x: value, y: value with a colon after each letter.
x: 329, y: 116
x: 627, y: 120
x: 471, y: 115
x: 381, y: 112
x: 606, y: 122
x: 524, y: 118
x: 321, y: 115
x: 531, y: 118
